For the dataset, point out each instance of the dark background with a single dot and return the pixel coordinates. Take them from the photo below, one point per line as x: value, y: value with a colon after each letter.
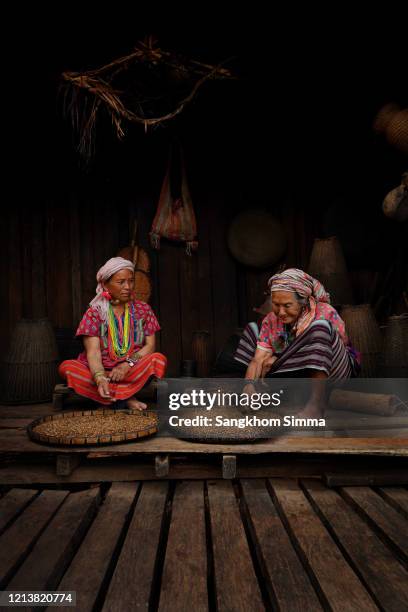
x: 292, y: 134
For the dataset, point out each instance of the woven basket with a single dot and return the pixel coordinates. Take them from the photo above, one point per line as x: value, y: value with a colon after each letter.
x: 256, y: 238
x: 394, y: 359
x: 223, y: 434
x: 75, y: 438
x: 328, y: 265
x: 29, y: 372
x: 384, y: 116
x: 397, y: 130
x: 393, y: 120
x: 365, y: 335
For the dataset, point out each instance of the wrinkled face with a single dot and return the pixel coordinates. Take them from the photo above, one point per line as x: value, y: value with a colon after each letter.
x: 120, y: 285
x: 285, y: 306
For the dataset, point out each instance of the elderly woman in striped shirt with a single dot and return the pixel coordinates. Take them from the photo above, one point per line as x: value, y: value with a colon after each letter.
x: 303, y: 335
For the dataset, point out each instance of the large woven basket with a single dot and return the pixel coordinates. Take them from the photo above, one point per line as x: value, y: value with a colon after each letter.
x: 393, y: 120
x: 394, y: 358
x: 365, y: 335
x: 29, y: 372
x: 328, y: 265
x: 125, y: 433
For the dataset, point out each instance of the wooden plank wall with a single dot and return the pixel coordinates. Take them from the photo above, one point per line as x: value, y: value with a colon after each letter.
x: 52, y: 251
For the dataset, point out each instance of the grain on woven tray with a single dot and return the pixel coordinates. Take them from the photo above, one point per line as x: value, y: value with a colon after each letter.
x: 94, y: 425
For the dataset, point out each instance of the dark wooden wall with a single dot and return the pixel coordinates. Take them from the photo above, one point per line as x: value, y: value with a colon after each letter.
x: 53, y: 251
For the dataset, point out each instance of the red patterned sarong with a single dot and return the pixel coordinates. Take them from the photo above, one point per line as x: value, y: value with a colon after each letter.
x: 79, y: 378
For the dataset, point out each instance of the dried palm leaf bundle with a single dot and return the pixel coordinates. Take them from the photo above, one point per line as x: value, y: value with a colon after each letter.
x: 148, y: 87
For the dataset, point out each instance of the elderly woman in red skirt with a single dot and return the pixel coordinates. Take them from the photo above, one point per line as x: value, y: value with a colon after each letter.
x: 119, y: 341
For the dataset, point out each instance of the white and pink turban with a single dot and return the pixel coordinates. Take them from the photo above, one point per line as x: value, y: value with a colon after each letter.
x: 113, y: 265
x: 298, y: 281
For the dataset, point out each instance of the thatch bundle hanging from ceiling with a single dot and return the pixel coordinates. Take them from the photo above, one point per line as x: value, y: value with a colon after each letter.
x: 149, y: 86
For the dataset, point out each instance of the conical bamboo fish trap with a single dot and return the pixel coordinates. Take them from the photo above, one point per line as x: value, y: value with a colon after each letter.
x: 365, y: 335
x: 394, y: 358
x: 328, y: 265
x: 30, y: 367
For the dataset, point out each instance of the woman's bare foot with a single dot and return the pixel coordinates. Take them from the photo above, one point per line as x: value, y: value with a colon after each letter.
x: 312, y: 411
x: 134, y: 404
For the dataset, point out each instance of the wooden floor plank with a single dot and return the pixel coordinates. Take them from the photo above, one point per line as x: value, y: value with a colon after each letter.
x: 125, y: 468
x: 397, y: 497
x: 17, y: 540
x: 16, y: 441
x: 13, y: 503
x: 184, y: 580
x: 14, y: 423
x: 338, y: 583
x: 288, y: 580
x: 52, y: 553
x: 235, y: 580
x: 133, y: 576
x: 27, y: 411
x: 386, y: 578
x: 90, y: 564
x: 370, y: 477
x: 386, y: 518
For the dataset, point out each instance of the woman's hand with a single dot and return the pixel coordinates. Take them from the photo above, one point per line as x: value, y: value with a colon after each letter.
x: 267, y: 364
x: 103, y: 389
x: 119, y: 372
x: 249, y: 389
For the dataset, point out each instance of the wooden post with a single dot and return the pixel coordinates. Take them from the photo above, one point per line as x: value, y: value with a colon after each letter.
x: 60, y: 393
x: 229, y: 466
x: 162, y: 466
x: 66, y: 464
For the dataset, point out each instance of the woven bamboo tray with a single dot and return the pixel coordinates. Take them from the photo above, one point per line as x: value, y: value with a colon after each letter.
x: 122, y: 431
x: 224, y: 434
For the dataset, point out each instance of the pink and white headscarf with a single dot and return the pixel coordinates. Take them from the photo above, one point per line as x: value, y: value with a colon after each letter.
x: 298, y: 281
x: 113, y: 265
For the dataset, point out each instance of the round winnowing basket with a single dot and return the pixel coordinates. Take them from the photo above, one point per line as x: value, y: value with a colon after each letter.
x: 256, y: 238
x: 213, y: 433
x: 143, y: 286
x: 139, y: 257
x: 93, y: 427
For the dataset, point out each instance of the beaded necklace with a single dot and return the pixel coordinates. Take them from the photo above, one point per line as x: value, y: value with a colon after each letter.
x: 119, y: 350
